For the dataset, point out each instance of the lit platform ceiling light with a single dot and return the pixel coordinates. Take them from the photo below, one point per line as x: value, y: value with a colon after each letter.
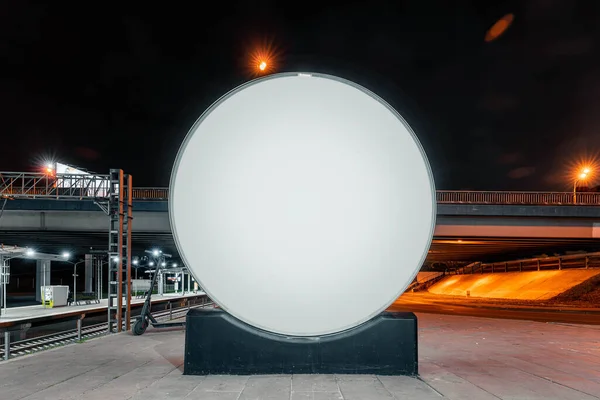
x: 499, y: 27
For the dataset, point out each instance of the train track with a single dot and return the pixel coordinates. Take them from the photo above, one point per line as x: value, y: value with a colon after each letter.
x: 41, y: 343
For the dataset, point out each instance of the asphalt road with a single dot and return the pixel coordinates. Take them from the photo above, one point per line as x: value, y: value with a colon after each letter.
x: 423, y: 305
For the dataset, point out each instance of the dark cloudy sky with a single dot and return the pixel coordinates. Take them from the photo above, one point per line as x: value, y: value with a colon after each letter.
x: 117, y: 85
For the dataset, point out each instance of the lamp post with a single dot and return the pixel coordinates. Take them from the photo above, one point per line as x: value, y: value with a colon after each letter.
x: 581, y: 177
x: 75, y: 264
x: 158, y: 258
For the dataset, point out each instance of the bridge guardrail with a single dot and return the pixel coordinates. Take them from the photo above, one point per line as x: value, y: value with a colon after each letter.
x: 454, y: 197
x: 516, y: 198
x: 571, y: 261
x: 22, y: 185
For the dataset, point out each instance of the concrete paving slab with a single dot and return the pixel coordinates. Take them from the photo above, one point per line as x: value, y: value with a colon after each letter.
x: 460, y: 358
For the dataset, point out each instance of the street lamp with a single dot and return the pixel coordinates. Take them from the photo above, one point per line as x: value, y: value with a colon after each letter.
x: 158, y: 259
x: 135, y: 263
x: 66, y: 255
x: 583, y: 175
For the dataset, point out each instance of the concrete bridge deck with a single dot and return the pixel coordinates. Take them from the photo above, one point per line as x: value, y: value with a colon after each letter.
x: 465, y: 231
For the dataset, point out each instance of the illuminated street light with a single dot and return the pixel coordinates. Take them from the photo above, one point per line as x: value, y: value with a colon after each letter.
x: 174, y: 265
x: 135, y: 262
x: 155, y: 252
x: 66, y: 255
x: 163, y: 264
x: 583, y: 176
x: 29, y: 253
x: 151, y: 263
x: 263, y: 59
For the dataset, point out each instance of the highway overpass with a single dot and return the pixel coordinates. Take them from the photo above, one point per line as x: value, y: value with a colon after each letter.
x: 470, y: 225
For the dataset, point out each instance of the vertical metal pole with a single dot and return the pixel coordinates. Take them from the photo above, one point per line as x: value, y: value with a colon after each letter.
x: 170, y: 311
x: 520, y: 267
x: 120, y: 257
x: 6, y: 345
x: 75, y: 284
x: 587, y: 262
x: 538, y: 264
x: 559, y: 263
x: 79, y: 330
x: 98, y: 278
x: 4, y: 279
x: 129, y: 249
x: 506, y: 267
x: 2, y: 310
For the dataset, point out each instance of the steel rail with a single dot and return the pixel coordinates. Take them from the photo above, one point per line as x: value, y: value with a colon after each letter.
x: 46, y: 342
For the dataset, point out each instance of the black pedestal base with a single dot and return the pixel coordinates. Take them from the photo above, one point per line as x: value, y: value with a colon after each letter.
x: 218, y: 344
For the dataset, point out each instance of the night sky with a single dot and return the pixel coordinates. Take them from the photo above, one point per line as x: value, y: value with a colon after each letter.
x: 117, y: 85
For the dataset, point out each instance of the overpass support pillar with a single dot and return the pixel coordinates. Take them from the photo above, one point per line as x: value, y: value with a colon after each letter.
x: 161, y: 284
x: 42, y: 277
x: 89, y: 273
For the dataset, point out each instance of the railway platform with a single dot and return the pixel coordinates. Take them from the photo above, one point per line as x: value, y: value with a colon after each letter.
x: 37, y: 314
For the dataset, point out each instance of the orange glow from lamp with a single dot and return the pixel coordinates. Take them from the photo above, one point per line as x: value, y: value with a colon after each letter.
x: 499, y: 28
x: 262, y: 61
x: 584, y: 175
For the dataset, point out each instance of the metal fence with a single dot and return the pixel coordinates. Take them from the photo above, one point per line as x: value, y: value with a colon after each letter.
x: 454, y: 197
x: 65, y: 186
x: 507, y: 198
x: 32, y: 185
x: 572, y: 261
x: 147, y: 193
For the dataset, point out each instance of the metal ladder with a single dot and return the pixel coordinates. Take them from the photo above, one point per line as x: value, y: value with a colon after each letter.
x: 119, y: 251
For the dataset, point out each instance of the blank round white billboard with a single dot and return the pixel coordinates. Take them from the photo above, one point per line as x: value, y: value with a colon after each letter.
x: 303, y: 204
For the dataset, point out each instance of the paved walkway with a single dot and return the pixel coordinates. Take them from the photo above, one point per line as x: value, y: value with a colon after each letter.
x: 461, y: 358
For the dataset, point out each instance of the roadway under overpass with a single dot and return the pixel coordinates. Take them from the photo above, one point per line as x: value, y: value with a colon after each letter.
x: 464, y: 232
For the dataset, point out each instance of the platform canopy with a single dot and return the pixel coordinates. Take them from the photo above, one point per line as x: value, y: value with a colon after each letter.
x: 26, y: 253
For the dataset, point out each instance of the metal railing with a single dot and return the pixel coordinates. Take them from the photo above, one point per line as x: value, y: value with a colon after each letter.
x: 65, y: 186
x: 149, y: 193
x: 526, y: 198
x: 572, y: 261
x: 36, y: 185
x: 454, y: 197
x: 11, y: 349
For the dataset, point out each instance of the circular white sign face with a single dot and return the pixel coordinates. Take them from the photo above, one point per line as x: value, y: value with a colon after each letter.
x: 303, y: 204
